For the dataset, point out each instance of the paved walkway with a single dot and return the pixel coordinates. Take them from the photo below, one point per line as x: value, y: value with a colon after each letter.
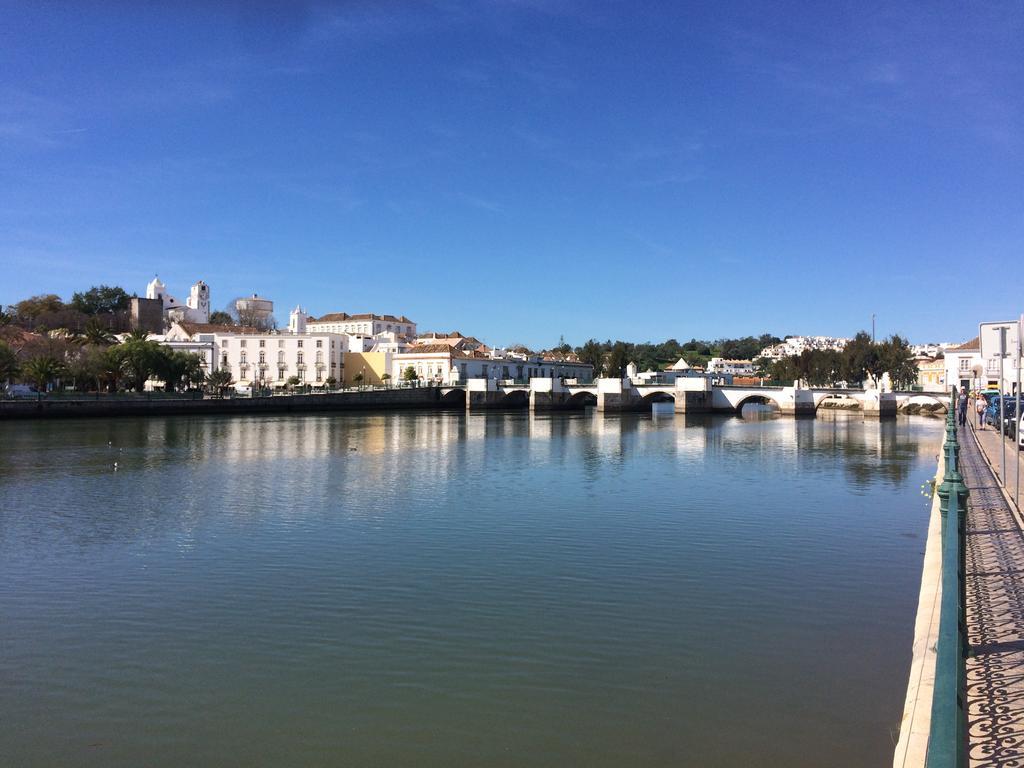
x: 995, y: 609
x: 989, y: 439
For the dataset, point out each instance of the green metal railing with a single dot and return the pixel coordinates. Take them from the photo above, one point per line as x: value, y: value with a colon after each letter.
x: 947, y: 739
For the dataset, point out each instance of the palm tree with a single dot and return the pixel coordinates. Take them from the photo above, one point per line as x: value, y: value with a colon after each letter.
x: 218, y: 381
x: 42, y: 370
x: 137, y: 334
x: 386, y: 378
x: 8, y: 363
x: 97, y: 335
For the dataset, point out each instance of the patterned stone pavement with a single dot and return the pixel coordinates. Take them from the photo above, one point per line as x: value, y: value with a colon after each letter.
x: 995, y: 618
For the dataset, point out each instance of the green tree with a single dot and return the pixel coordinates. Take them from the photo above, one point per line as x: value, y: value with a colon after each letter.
x: 386, y: 378
x: 358, y: 378
x: 409, y: 374
x: 218, y: 381
x: 617, y: 360
x: 220, y: 317
x: 860, y: 358
x: 593, y: 353
x: 178, y: 369
x: 139, y: 360
x: 897, y: 360
x: 29, y: 310
x: 97, y: 334
x: 8, y: 363
x: 101, y: 300
x: 43, y: 371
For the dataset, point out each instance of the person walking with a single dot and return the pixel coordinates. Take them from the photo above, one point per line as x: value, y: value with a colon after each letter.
x: 961, y: 408
x: 980, y: 407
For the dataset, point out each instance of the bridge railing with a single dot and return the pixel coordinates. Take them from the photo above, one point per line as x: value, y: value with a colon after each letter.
x: 947, y: 738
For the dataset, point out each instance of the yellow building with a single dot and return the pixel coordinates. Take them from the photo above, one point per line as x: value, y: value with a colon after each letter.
x: 370, y: 365
x: 931, y: 374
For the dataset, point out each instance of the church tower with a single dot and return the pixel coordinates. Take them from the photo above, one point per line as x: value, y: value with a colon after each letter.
x: 199, y: 302
x: 297, y: 320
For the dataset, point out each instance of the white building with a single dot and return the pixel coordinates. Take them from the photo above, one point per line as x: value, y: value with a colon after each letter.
x: 793, y: 346
x: 264, y: 358
x: 445, y: 364
x: 196, y: 308
x: 966, y: 369
x: 366, y: 324
x: 718, y: 365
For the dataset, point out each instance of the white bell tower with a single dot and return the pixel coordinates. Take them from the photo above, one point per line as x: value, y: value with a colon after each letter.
x: 199, y: 302
x: 297, y: 320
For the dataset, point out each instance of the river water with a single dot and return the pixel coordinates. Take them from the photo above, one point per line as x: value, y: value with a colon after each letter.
x: 451, y: 590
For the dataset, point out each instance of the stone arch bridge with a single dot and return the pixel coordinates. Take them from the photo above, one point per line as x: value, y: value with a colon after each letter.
x: 689, y: 395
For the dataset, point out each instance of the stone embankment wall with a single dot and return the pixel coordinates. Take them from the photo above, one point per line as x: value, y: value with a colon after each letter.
x: 390, y: 399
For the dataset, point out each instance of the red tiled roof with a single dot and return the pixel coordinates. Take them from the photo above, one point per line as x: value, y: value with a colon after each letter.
x: 193, y: 328
x: 427, y: 349
x: 968, y: 346
x: 335, y: 317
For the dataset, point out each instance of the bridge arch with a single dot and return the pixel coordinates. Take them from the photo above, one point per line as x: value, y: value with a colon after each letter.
x: 760, y: 399
x: 849, y: 403
x: 582, y: 399
x: 517, y: 398
x: 932, y: 402
x: 455, y: 396
x: 659, y: 396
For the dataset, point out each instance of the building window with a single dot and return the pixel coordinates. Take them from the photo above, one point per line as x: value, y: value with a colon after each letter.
x: 280, y: 343
x: 263, y: 357
x: 299, y: 358
x: 241, y: 343
x: 224, y: 360
x: 965, y: 364
x: 300, y: 343
x: 241, y: 359
x: 319, y: 376
x: 319, y: 357
x: 280, y: 373
x: 224, y: 343
x: 319, y: 343
x: 263, y: 343
x: 280, y: 357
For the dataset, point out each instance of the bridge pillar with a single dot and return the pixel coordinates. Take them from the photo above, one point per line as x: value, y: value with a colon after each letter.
x: 879, y: 405
x: 796, y: 401
x: 549, y: 395
x: 617, y: 395
x: 693, y: 395
x: 482, y: 394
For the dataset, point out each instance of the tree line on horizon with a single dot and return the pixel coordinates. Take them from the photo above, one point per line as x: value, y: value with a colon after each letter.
x: 860, y: 360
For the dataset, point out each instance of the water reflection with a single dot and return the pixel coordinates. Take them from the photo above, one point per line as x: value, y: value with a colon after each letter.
x: 442, y: 588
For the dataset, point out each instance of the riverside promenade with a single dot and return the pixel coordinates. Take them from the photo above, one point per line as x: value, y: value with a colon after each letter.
x: 994, y: 573
x: 991, y: 684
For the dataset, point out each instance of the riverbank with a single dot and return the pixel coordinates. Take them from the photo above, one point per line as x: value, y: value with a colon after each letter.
x: 368, y: 400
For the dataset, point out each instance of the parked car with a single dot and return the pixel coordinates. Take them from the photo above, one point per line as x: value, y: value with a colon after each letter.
x: 20, y: 390
x: 992, y: 412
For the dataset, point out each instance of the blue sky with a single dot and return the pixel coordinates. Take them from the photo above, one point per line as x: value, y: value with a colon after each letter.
x: 524, y: 170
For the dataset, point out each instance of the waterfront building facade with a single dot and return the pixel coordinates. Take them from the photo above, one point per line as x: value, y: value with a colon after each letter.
x: 367, y: 324
x: 718, y: 365
x: 446, y: 364
x: 263, y: 358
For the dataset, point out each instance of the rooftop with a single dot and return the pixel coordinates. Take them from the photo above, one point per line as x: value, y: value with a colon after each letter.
x: 338, y: 317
